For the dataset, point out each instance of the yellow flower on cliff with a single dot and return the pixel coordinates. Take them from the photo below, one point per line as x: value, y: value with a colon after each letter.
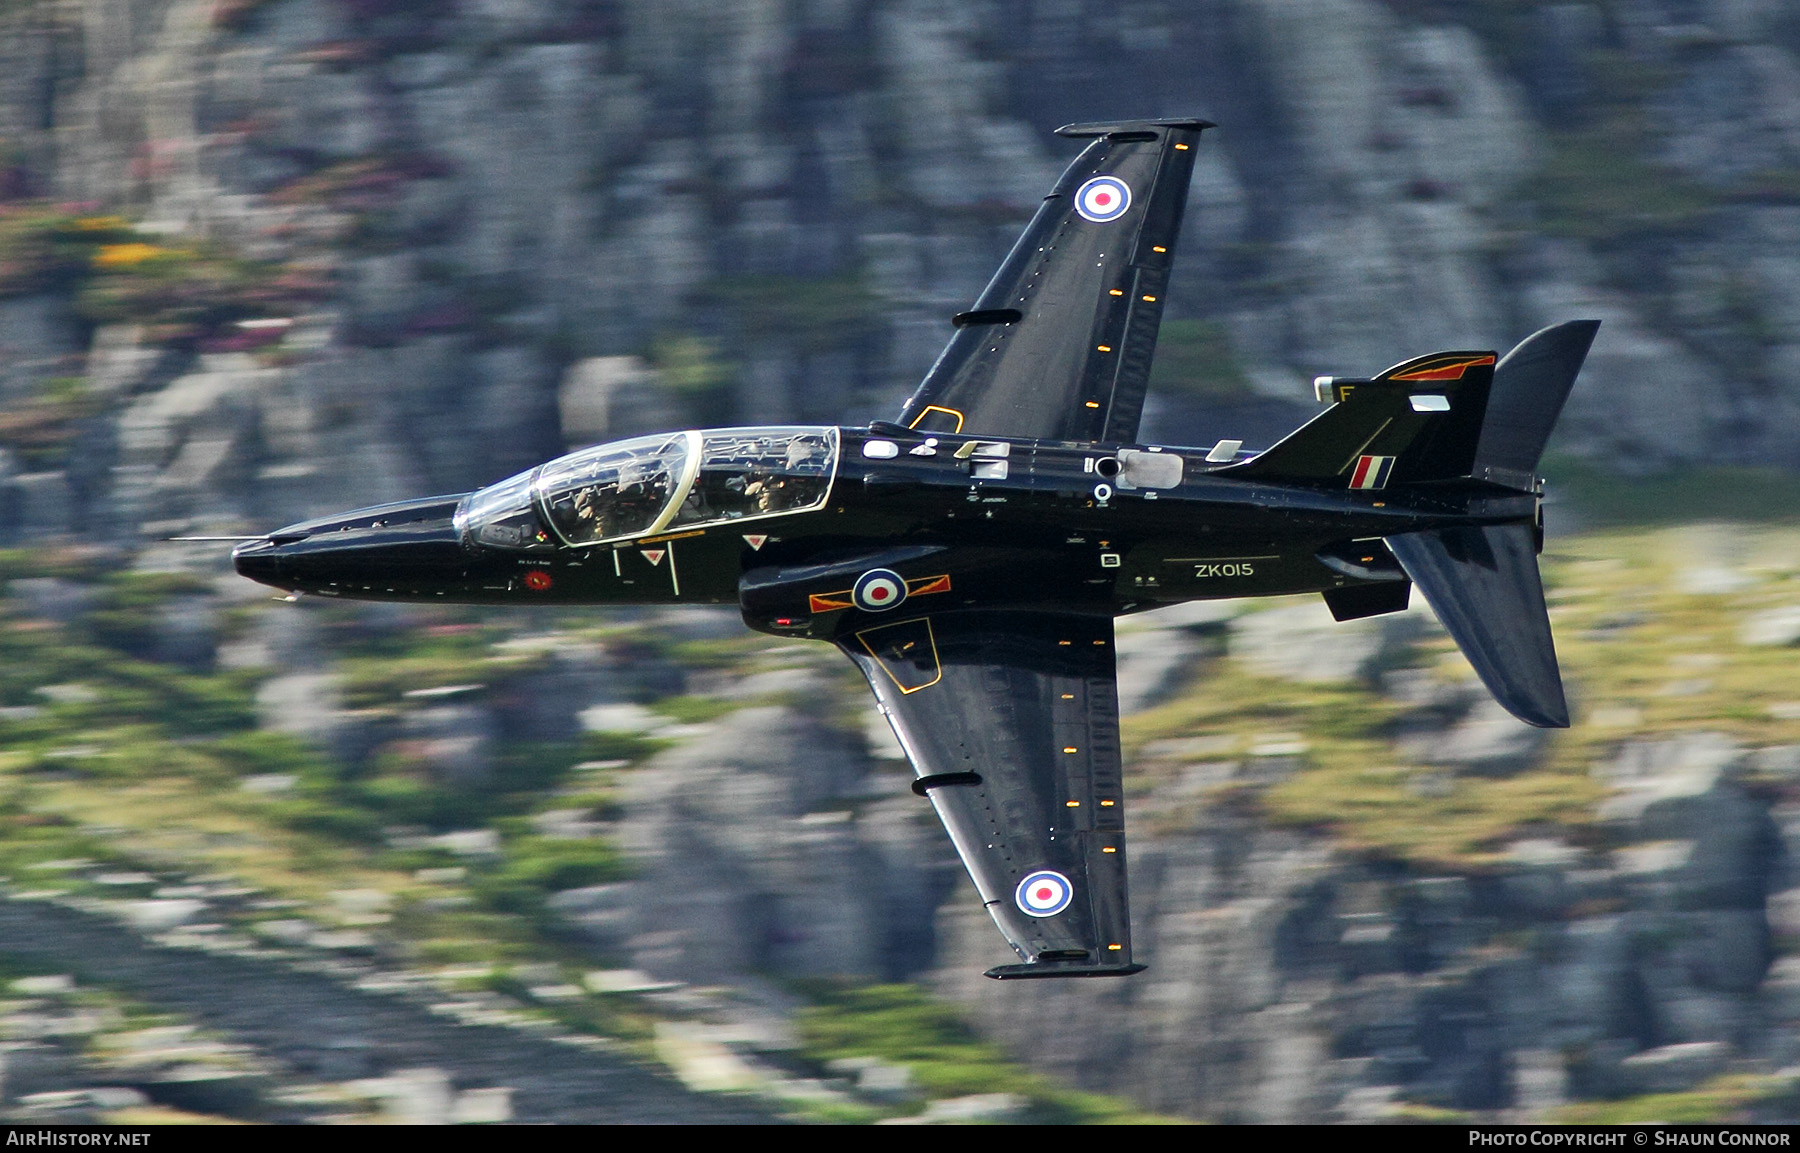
x: 126, y: 255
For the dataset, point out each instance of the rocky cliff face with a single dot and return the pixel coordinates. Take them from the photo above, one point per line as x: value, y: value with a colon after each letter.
x: 1294, y: 985
x: 777, y: 204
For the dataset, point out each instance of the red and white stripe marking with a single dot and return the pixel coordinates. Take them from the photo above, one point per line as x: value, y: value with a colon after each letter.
x: 1372, y: 472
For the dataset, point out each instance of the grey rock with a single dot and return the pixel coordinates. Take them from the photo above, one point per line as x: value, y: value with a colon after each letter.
x: 1781, y: 989
x: 120, y: 362
x: 1303, y: 642
x: 187, y: 631
x: 1540, y: 1082
x: 1647, y: 772
x: 1674, y: 1068
x: 37, y: 344
x: 154, y: 916
x: 1154, y: 663
x: 1736, y: 116
x: 611, y: 397
x: 1642, y: 400
x: 186, y: 431
x: 1727, y: 950
x: 51, y: 598
x: 606, y: 914
x: 305, y: 705
x: 1714, y: 846
x: 45, y: 505
x: 1780, y: 760
x: 1774, y: 627
x: 745, y: 861
x: 1487, y: 740
x: 548, y: 700
x: 454, y: 743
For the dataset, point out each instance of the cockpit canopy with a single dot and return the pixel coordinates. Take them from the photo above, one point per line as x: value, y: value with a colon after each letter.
x: 635, y: 487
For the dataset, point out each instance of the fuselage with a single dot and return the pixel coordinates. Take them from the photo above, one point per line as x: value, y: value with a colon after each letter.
x: 1010, y: 522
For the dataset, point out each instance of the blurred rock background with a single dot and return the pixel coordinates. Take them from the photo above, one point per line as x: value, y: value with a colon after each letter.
x: 264, y: 259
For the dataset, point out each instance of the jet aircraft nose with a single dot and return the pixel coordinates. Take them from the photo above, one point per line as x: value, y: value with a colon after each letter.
x: 409, y: 547
x: 260, y: 560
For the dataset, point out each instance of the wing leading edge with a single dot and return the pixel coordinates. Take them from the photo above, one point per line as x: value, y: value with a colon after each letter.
x: 1059, y: 344
x: 1011, y: 722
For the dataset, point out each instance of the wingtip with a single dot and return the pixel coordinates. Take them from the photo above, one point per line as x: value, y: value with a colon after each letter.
x: 1545, y: 708
x: 1106, y: 127
x: 1042, y: 971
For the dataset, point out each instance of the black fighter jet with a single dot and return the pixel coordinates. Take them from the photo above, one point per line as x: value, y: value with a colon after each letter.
x: 971, y: 556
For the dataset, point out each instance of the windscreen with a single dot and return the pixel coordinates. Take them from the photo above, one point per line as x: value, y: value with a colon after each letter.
x: 504, y: 515
x: 613, y: 490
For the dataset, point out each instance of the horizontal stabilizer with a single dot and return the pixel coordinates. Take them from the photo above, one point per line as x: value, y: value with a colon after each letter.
x: 1530, y: 385
x: 1483, y: 583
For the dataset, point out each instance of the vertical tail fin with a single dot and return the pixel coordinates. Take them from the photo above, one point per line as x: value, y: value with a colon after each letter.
x: 1483, y: 583
x: 1437, y: 417
x: 1530, y: 386
x: 1417, y: 421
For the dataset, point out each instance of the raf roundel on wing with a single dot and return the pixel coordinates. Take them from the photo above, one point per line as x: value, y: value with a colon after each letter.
x: 1103, y: 199
x: 1044, y: 893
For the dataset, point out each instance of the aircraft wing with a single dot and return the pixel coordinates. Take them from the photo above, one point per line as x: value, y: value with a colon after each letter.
x: 1011, y: 722
x: 1059, y: 344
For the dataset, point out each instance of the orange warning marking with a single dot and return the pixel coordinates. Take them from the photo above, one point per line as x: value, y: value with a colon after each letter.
x: 916, y: 587
x: 1451, y: 369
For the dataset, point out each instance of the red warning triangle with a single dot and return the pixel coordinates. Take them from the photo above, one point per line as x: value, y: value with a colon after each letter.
x: 756, y: 540
x: 653, y: 555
